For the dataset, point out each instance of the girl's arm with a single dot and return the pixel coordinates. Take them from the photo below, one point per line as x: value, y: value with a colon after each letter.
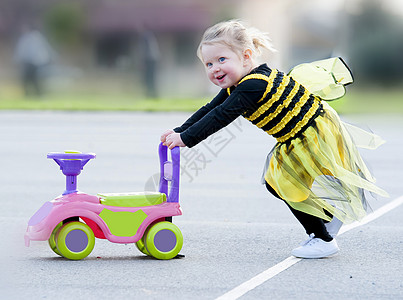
x: 221, y: 116
x: 214, y: 120
x: 244, y: 98
x: 201, y: 112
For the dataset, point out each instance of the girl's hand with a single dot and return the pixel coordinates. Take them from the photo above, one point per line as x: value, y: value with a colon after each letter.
x: 173, y: 140
x: 165, y: 134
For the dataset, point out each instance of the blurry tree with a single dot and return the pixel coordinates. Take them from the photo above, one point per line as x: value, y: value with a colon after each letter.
x: 376, y: 45
x: 64, y: 22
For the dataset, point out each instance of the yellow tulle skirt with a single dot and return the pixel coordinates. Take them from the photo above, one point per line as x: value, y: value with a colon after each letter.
x: 322, y: 171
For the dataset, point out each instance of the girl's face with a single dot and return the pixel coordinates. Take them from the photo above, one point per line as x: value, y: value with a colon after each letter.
x: 224, y: 67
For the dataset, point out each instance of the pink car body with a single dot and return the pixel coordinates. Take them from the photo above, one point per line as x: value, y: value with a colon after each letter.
x: 119, y: 218
x: 88, y: 208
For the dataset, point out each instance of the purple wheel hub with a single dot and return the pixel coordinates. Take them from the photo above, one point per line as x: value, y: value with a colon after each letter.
x: 165, y: 240
x: 76, y: 240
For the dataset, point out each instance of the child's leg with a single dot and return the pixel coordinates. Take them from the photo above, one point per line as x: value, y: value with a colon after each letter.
x: 311, y: 223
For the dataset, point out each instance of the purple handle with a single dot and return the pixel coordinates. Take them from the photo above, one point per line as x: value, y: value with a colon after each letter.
x: 173, y: 195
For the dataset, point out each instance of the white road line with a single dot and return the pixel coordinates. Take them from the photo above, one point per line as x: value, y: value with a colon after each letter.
x: 252, y: 283
x: 374, y: 215
x: 259, y: 279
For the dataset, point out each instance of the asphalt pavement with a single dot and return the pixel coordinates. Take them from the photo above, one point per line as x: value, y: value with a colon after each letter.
x: 233, y: 229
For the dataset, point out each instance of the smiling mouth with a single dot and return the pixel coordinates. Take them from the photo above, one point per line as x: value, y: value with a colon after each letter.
x: 220, y: 77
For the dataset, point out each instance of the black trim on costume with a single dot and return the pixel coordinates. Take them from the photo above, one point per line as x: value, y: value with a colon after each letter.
x: 348, y: 68
x: 276, y: 84
x: 299, y: 117
x: 276, y: 104
x: 309, y: 124
x: 277, y: 119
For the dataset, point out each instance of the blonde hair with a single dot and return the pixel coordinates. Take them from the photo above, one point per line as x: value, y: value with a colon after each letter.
x: 237, y: 36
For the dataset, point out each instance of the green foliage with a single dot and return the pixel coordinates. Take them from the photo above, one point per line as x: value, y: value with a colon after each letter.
x: 356, y: 101
x: 91, y: 102
x: 370, y: 101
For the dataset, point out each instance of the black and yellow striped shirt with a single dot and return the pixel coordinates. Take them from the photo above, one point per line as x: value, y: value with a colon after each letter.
x: 268, y: 98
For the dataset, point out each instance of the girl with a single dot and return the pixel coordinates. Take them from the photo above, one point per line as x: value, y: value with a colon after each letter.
x: 315, y: 167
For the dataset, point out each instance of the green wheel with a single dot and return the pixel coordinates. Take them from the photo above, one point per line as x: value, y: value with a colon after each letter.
x: 163, y: 240
x: 142, y: 248
x: 52, y: 240
x: 75, y: 240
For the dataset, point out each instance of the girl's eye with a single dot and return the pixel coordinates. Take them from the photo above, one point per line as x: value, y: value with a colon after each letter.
x: 221, y: 59
x: 209, y: 65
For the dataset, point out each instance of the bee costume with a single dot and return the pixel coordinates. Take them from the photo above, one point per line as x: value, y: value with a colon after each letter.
x: 315, y: 166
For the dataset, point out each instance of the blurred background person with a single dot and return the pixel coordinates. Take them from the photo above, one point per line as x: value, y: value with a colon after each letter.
x: 151, y: 56
x: 145, y: 49
x: 33, y: 52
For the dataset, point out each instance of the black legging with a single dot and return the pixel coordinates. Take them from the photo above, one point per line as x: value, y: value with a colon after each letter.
x: 311, y: 223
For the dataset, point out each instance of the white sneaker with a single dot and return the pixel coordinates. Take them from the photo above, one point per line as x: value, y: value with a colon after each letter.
x: 333, y: 226
x: 316, y: 248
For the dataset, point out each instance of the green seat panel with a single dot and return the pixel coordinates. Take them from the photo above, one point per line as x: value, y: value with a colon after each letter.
x: 132, y: 199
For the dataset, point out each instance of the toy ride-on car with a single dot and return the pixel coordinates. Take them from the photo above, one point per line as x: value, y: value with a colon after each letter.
x: 72, y: 221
